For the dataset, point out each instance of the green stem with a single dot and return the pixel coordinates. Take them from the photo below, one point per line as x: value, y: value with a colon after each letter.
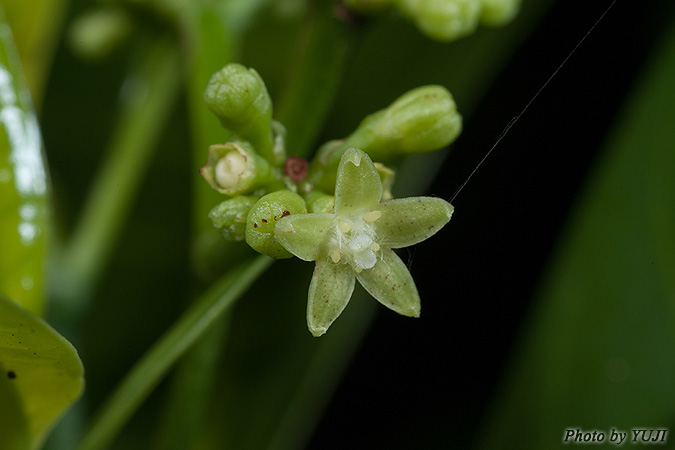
x: 191, y: 390
x: 152, y: 367
x: 154, y: 90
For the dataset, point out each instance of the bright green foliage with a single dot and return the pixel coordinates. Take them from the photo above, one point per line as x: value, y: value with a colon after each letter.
x: 356, y: 241
x: 23, y: 187
x: 40, y: 372
x: 263, y: 217
x: 239, y: 98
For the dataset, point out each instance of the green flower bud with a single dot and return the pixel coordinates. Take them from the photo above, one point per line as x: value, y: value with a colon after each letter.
x: 263, y: 217
x: 230, y: 216
x: 498, y: 12
x: 443, y: 20
x: 420, y: 121
x: 234, y: 168
x: 239, y: 98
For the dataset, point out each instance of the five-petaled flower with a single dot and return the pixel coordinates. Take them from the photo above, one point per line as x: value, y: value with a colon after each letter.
x: 356, y: 242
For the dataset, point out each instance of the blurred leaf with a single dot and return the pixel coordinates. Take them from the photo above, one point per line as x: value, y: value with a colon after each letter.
x: 23, y: 186
x: 152, y: 88
x: 598, y: 351
x: 35, y: 24
x: 159, y: 359
x: 314, y: 78
x: 40, y: 368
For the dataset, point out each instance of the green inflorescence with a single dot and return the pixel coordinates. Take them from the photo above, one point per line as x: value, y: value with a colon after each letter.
x: 444, y: 20
x: 337, y: 209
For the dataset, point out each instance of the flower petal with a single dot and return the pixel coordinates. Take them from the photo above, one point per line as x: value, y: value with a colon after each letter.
x: 329, y: 292
x: 304, y: 234
x: 407, y: 221
x: 391, y: 284
x: 358, y: 184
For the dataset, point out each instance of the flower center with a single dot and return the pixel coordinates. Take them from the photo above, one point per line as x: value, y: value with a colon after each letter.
x: 354, y: 241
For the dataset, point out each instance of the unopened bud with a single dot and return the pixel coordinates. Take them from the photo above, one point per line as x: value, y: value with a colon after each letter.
x: 263, y: 217
x: 420, y: 121
x: 239, y: 98
x: 443, y: 20
x: 230, y: 216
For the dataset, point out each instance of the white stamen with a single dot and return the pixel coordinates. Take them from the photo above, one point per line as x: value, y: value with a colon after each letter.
x: 229, y: 169
x: 335, y: 256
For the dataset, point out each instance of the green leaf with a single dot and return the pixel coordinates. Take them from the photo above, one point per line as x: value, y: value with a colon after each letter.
x: 390, y: 282
x: 598, y: 352
x: 23, y: 186
x: 408, y: 221
x: 41, y: 374
x: 329, y: 292
x: 111, y: 197
x: 36, y: 25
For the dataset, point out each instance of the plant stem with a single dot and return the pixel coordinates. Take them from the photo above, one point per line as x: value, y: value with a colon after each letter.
x: 152, y: 367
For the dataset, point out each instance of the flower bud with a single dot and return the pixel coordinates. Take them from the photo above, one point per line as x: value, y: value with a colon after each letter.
x: 230, y: 216
x: 239, y: 98
x: 234, y: 168
x: 263, y: 217
x: 498, y: 12
x: 443, y: 20
x: 420, y: 121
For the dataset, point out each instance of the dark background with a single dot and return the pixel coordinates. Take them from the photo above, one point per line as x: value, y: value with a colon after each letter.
x: 428, y: 383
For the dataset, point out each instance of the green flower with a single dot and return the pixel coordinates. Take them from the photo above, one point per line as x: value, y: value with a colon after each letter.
x: 356, y: 241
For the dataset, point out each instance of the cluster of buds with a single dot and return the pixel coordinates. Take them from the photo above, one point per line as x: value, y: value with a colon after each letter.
x: 444, y: 20
x: 336, y: 210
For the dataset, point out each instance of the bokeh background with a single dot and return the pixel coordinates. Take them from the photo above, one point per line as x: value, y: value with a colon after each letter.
x: 548, y: 300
